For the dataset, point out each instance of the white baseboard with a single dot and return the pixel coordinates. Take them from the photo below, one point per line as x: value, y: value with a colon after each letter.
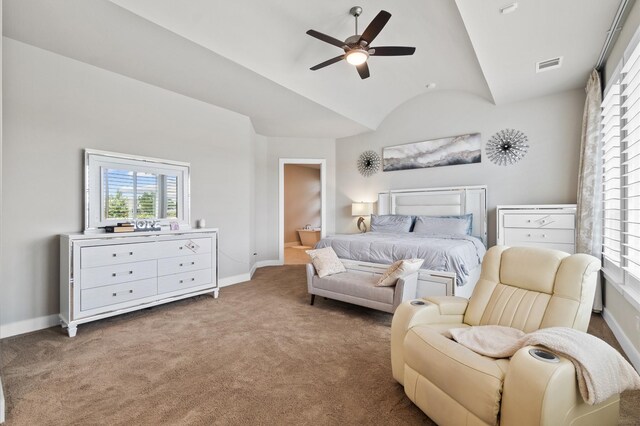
x: 632, y: 352
x: 27, y: 326
x: 263, y: 263
x: 1, y: 403
x: 234, y: 279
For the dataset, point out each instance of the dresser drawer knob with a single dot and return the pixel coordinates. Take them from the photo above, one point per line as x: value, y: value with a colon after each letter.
x: 180, y: 248
x: 528, y: 220
x: 181, y: 281
x: 193, y: 279
x: 193, y: 263
x: 528, y: 235
x: 544, y: 236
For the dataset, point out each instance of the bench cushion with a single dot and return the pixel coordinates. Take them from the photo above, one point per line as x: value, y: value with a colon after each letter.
x: 356, y: 284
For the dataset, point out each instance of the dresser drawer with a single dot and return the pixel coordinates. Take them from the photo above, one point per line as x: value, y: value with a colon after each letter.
x: 177, y: 282
x: 547, y: 221
x: 116, y: 253
x: 112, y: 294
x: 566, y: 247
x: 513, y: 236
x: 119, y: 273
x: 185, y: 247
x: 176, y: 265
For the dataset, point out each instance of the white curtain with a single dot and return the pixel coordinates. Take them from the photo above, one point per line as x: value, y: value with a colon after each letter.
x: 589, y: 213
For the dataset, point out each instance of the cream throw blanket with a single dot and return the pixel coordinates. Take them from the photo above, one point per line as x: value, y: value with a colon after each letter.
x: 601, y: 371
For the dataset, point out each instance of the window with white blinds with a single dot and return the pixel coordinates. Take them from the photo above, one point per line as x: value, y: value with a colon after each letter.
x: 621, y: 171
x: 630, y: 161
x: 122, y: 187
x: 611, y: 247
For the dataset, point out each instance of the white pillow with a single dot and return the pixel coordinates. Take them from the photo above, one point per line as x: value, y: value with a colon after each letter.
x: 326, y: 261
x: 399, y: 269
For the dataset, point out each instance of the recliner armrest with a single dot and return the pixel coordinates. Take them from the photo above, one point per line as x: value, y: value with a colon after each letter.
x: 538, y: 392
x: 434, y: 310
x: 450, y: 305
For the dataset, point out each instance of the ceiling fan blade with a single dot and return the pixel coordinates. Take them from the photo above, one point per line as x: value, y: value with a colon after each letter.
x: 328, y: 62
x: 391, y: 51
x: 363, y: 70
x: 375, y: 26
x: 326, y: 38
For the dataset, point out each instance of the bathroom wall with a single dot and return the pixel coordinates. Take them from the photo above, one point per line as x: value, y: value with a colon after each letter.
x: 302, y: 200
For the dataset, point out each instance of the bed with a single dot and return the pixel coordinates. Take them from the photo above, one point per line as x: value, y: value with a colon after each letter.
x: 452, y: 262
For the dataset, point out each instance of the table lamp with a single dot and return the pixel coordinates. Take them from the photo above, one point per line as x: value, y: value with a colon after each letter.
x: 361, y: 209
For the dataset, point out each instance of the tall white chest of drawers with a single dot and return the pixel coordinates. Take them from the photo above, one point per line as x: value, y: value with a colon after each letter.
x: 103, y: 275
x: 548, y: 226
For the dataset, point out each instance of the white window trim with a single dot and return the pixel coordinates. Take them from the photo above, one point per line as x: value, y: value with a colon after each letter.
x: 96, y: 160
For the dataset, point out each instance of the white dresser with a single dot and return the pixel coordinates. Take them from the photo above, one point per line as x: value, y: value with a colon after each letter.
x: 103, y: 275
x: 549, y: 226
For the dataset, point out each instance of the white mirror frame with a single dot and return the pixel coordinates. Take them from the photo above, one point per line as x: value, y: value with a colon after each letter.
x: 93, y: 161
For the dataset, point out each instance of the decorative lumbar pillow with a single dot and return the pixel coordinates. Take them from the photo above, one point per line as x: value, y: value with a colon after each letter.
x: 326, y: 261
x: 391, y: 223
x: 449, y: 225
x: 399, y: 269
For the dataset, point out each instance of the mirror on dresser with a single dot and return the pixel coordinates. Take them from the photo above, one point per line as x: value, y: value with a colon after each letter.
x: 123, y: 188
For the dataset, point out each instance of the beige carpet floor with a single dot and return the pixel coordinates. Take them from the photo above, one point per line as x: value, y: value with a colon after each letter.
x: 257, y: 355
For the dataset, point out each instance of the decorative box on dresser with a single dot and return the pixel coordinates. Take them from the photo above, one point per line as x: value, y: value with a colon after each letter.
x: 550, y: 226
x: 102, y: 275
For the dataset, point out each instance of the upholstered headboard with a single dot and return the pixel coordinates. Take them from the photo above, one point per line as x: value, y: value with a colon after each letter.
x: 439, y: 202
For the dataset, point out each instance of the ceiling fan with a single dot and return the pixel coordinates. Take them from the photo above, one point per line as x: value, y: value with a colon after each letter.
x: 357, y: 48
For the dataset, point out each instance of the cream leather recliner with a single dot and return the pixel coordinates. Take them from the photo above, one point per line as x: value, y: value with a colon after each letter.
x: 524, y: 288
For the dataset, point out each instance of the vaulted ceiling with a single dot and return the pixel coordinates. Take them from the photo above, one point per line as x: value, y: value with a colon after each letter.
x: 253, y: 56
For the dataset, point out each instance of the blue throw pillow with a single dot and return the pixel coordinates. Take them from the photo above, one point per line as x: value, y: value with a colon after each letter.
x: 391, y: 223
x: 449, y: 225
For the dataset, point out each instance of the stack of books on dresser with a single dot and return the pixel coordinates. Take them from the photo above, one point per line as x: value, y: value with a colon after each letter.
x: 120, y: 227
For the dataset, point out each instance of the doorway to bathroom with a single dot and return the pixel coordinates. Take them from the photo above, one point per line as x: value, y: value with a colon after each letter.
x: 302, y: 198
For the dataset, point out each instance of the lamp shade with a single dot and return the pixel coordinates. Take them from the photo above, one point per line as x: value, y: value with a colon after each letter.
x: 361, y: 209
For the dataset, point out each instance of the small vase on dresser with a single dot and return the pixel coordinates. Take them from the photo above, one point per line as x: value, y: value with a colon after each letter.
x: 550, y: 226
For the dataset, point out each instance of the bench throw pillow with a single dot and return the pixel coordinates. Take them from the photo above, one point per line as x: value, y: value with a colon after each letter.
x: 399, y: 269
x: 326, y: 261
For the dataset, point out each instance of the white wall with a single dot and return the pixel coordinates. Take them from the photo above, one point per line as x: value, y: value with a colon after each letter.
x: 548, y: 173
x: 268, y: 153
x: 54, y: 107
x: 2, y: 404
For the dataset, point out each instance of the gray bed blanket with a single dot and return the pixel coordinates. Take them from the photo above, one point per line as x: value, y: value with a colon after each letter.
x: 449, y: 253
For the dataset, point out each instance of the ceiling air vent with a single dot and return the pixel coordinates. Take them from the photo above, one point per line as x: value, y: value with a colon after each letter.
x: 549, y: 64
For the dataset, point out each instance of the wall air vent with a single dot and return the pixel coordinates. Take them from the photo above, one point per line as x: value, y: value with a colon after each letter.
x: 549, y: 64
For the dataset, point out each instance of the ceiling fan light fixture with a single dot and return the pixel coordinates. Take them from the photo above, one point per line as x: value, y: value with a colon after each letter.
x: 357, y: 57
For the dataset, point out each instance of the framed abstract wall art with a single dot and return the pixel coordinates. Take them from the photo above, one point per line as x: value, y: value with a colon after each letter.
x: 463, y: 149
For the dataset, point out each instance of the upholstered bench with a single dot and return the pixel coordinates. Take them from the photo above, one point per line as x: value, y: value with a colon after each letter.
x: 359, y: 287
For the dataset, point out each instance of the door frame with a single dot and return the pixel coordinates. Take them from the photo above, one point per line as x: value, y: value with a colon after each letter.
x: 323, y: 198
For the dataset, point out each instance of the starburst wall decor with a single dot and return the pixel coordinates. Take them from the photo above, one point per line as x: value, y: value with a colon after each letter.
x: 368, y: 163
x: 507, y: 147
